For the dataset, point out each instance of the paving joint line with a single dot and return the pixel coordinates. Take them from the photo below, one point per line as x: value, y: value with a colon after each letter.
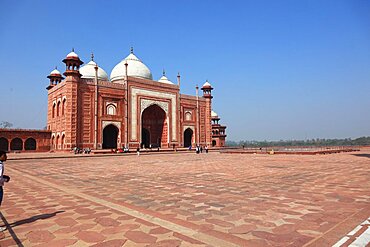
x: 200, y: 236
x: 332, y: 228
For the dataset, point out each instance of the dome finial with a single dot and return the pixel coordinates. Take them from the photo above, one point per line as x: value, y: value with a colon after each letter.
x: 132, y: 50
x: 56, y: 67
x: 164, y: 72
x: 92, y: 56
x: 73, y: 49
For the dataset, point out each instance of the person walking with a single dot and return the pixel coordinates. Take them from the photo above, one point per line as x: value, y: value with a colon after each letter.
x: 3, y: 158
x: 206, y: 148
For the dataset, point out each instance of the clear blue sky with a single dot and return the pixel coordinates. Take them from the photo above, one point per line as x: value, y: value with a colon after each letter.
x: 280, y: 69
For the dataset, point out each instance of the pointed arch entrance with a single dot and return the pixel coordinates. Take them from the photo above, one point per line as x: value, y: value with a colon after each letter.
x: 188, y: 136
x: 153, y: 126
x: 110, y: 136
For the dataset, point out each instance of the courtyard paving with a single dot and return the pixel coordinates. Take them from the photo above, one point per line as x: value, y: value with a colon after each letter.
x: 185, y: 199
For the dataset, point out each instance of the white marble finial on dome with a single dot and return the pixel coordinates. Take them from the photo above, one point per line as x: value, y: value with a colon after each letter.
x: 88, y: 71
x: 135, y: 68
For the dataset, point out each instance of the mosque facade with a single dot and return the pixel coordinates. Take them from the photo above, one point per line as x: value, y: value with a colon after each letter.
x: 88, y: 109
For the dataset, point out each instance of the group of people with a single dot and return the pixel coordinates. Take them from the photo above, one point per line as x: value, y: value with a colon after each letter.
x: 199, y: 149
x: 77, y: 150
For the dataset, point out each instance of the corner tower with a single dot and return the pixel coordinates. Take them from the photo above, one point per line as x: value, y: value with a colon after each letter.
x: 207, y: 94
x: 71, y: 92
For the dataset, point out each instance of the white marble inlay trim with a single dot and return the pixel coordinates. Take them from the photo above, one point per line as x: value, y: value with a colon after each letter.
x: 145, y: 103
x: 134, y: 110
x: 106, y: 123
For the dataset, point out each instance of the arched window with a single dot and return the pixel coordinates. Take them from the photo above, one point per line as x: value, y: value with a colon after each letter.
x: 16, y: 144
x: 58, y: 108
x: 111, y: 109
x: 188, y: 116
x: 53, y: 111
x: 63, y: 106
x: 30, y: 144
x: 4, y: 144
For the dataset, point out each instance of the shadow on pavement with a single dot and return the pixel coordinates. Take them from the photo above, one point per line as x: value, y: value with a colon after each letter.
x: 362, y: 155
x: 25, y: 221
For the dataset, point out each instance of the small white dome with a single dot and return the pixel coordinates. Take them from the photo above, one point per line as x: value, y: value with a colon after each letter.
x: 72, y: 54
x: 135, y: 68
x: 213, y: 114
x: 164, y: 79
x: 55, y: 72
x: 207, y: 84
x: 88, y: 71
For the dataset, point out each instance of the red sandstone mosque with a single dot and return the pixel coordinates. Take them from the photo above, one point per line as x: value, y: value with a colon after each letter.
x: 87, y: 109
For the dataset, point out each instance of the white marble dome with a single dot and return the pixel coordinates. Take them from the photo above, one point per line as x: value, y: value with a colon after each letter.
x: 207, y: 84
x: 164, y: 79
x: 88, y: 71
x: 214, y: 114
x: 55, y: 72
x: 72, y: 54
x: 135, y: 68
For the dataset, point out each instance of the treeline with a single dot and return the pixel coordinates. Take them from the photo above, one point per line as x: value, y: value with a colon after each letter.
x: 362, y: 141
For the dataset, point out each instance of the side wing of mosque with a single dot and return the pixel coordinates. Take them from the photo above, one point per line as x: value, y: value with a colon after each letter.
x: 87, y: 109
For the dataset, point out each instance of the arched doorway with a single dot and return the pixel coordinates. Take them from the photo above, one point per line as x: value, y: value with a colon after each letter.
x: 16, y: 144
x: 62, y: 142
x: 30, y: 144
x: 4, y: 144
x: 110, y: 135
x: 53, y: 142
x: 213, y: 143
x: 145, y: 138
x: 188, y: 136
x: 57, y: 143
x: 154, y: 121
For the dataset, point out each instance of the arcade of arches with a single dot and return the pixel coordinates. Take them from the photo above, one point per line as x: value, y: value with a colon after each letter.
x: 24, y: 140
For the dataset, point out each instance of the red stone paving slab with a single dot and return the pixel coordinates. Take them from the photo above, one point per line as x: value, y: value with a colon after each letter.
x: 257, y: 200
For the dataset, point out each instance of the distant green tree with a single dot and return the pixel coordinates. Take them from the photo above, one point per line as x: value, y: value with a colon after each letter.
x: 361, y: 141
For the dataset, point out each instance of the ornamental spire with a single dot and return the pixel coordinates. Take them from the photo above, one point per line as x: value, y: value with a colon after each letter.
x: 92, y: 56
